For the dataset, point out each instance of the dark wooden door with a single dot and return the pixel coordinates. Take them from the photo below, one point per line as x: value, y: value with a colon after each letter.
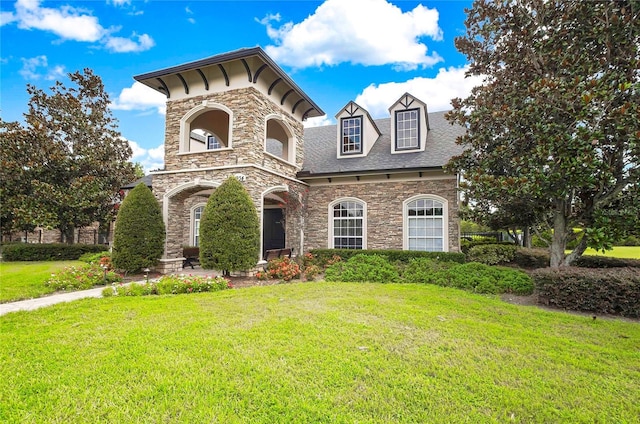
x: 273, y: 235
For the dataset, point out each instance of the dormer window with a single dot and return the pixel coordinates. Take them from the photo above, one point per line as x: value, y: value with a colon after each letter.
x: 351, y: 135
x: 407, y: 129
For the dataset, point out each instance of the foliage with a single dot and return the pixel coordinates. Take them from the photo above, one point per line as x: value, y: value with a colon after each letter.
x: 531, y: 258
x: 138, y: 239
x: 609, y: 291
x: 48, y: 251
x: 282, y: 269
x: 554, y: 127
x: 363, y: 268
x: 81, y: 278
x: 170, y: 284
x: 229, y: 229
x: 465, y: 244
x: 323, y: 256
x: 311, y: 272
x: 65, y: 168
x: 481, y: 278
x: 590, y: 261
x: 25, y: 280
x: 424, y: 270
x: 492, y: 254
x: 630, y: 240
x: 90, y: 258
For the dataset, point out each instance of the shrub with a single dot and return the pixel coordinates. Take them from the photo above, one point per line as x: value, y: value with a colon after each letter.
x: 323, y: 256
x: 630, y: 240
x: 531, y: 258
x: 138, y: 240
x: 590, y: 261
x: 423, y: 270
x: 229, y: 229
x: 94, y: 257
x: 482, y: 278
x: 363, y: 268
x: 282, y: 269
x: 466, y: 245
x: 607, y: 291
x: 311, y: 272
x: 48, y: 251
x: 81, y: 278
x: 170, y: 284
x: 492, y: 254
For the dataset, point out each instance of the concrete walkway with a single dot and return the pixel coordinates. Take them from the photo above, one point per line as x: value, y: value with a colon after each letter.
x: 40, y: 302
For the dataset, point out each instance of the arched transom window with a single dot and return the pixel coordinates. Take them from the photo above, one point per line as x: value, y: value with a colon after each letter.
x: 425, y: 220
x: 348, y: 224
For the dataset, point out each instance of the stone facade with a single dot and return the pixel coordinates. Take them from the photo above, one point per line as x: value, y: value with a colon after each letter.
x: 85, y: 235
x: 384, y: 200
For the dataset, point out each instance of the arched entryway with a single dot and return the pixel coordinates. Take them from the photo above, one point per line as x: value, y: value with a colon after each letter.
x: 274, y: 219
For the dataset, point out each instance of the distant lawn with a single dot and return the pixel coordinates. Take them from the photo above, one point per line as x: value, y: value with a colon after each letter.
x: 25, y: 280
x: 316, y: 352
x: 626, y: 252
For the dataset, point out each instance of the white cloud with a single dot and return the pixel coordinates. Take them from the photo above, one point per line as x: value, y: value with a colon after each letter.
x: 140, y: 97
x: 436, y: 92
x: 119, y: 2
x: 71, y: 23
x: 149, y: 158
x: 31, y: 69
x: 137, y: 43
x: 318, y: 121
x: 367, y: 32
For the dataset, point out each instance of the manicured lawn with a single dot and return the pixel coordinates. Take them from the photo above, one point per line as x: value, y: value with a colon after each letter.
x: 316, y: 352
x: 25, y: 280
x: 626, y: 252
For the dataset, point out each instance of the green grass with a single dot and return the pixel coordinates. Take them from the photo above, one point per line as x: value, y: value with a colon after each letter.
x: 625, y: 252
x: 316, y: 352
x: 25, y: 280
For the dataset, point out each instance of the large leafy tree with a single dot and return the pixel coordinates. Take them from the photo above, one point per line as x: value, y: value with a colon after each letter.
x: 229, y: 229
x: 138, y: 239
x: 71, y: 154
x: 555, y: 126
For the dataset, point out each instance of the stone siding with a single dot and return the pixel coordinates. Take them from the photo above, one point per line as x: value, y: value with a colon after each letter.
x: 384, y: 210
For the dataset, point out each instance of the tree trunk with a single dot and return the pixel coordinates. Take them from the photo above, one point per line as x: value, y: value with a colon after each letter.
x: 577, y: 252
x: 526, y: 237
x: 559, y: 240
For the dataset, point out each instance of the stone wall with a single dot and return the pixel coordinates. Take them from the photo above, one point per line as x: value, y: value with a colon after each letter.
x: 384, y: 210
x: 84, y: 235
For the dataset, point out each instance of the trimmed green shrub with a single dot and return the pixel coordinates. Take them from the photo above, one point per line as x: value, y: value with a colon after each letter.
x: 91, y: 258
x: 531, y: 258
x: 466, y: 244
x: 481, y: 278
x: 590, y: 261
x: 138, y: 240
x: 229, y: 229
x: 48, y: 251
x: 424, y: 270
x: 363, y: 268
x: 629, y: 241
x: 323, y: 256
x: 603, y: 291
x: 81, y: 278
x: 492, y: 254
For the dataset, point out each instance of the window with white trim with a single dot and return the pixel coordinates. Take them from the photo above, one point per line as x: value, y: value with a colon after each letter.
x: 213, y: 143
x: 425, y: 225
x: 348, y: 225
x: 351, y: 135
x: 407, y: 129
x: 197, y: 216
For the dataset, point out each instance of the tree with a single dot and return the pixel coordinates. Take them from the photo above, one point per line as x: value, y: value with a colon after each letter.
x: 229, y: 229
x: 74, y: 158
x: 555, y: 126
x: 138, y: 239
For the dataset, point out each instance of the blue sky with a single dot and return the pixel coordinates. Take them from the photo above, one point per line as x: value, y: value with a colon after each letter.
x: 369, y: 51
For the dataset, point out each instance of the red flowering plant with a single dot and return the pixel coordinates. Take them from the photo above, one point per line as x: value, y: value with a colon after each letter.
x: 283, y: 269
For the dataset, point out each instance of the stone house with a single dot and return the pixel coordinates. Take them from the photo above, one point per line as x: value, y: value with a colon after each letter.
x: 361, y: 184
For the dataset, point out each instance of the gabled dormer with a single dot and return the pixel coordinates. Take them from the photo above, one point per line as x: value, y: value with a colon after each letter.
x: 356, y: 131
x: 409, y: 125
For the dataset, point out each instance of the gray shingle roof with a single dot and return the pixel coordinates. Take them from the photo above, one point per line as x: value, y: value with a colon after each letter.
x: 320, y: 150
x: 147, y: 180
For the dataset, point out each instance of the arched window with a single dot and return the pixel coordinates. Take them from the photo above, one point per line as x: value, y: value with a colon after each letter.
x: 196, y: 216
x: 348, y: 224
x: 426, y: 224
x: 206, y: 127
x: 279, y: 141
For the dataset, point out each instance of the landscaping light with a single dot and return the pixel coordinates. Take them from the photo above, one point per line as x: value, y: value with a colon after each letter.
x: 146, y: 274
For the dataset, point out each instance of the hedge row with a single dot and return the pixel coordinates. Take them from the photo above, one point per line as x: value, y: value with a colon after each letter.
x: 324, y: 256
x: 606, y: 291
x: 48, y: 252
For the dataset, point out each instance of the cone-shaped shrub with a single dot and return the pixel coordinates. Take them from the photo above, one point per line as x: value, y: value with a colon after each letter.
x: 138, y: 239
x: 229, y: 229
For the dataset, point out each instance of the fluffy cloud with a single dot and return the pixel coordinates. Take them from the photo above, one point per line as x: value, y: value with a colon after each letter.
x: 31, y: 69
x: 436, y: 92
x: 319, y: 121
x: 149, y: 158
x: 367, y: 32
x: 140, y: 97
x: 71, y: 23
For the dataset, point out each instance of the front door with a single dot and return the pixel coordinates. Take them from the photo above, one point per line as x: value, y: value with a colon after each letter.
x: 273, y: 231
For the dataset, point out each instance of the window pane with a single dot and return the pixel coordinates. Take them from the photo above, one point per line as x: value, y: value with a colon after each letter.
x: 348, y: 225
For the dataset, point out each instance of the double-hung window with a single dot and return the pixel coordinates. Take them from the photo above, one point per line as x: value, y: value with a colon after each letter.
x: 348, y: 225
x: 425, y: 222
x: 351, y: 135
x: 197, y: 215
x: 407, y: 129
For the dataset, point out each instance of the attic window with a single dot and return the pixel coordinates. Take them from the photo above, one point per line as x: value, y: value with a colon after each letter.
x: 407, y: 129
x: 351, y: 135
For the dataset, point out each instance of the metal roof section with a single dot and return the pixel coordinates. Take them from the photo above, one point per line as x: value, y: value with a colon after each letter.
x: 320, y: 158
x: 255, y: 62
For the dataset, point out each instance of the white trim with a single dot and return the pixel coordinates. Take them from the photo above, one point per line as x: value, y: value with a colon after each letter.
x: 330, y: 238
x: 445, y: 219
x: 185, y: 124
x: 291, y: 141
x: 218, y: 168
x: 178, y: 189
x: 224, y: 149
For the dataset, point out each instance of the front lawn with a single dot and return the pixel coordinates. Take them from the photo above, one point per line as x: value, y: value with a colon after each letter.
x: 25, y: 280
x: 625, y: 252
x: 316, y: 352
